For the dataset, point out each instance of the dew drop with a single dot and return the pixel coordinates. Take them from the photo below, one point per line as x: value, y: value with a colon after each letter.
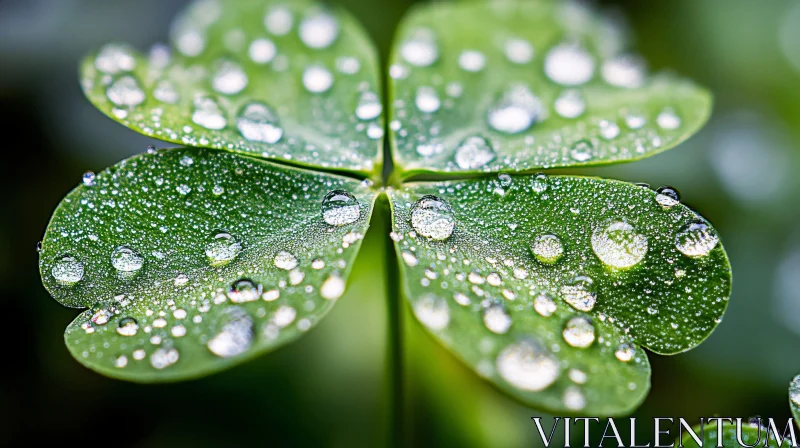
x: 427, y: 100
x: 115, y: 58
x: 432, y: 218
x: 569, y: 64
x: 574, y: 399
x: 420, y: 49
x: 474, y: 152
x: 317, y: 79
x: 229, y: 79
x: 125, y: 92
x: 257, y: 122
x: 319, y: 30
x: 432, y: 311
x: 570, y: 104
x: 125, y: 259
x: 547, y: 248
x: 472, y: 60
x: 163, y: 358
x: 221, y: 248
x: 121, y: 361
x: 518, y: 51
x: 539, y: 183
x: 608, y: 129
x: 668, y: 119
x: 244, y: 290
x: 544, y: 304
x: 580, y: 293
x: 89, y: 179
x: 696, y: 239
x: 332, y: 288
x: 496, y: 318
x: 527, y: 365
x: 369, y: 106
x: 626, y: 71
x: 667, y: 197
x: 236, y: 335
x: 618, y: 245
x: 208, y: 114
x: 262, y: 51
x: 279, y: 20
x: 515, y: 111
x: 794, y: 390
x: 101, y: 316
x: 624, y: 352
x: 581, y: 151
x: 165, y: 92
x: 286, y: 261
x: 127, y: 326
x: 579, y: 332
x: 340, y: 208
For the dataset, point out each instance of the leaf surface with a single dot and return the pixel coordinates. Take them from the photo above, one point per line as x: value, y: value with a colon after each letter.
x: 191, y: 260
x: 751, y: 435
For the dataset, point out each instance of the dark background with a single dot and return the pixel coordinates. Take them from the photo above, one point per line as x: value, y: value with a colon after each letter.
x: 328, y: 389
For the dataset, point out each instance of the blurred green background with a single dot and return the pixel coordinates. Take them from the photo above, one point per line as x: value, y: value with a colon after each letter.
x: 329, y: 388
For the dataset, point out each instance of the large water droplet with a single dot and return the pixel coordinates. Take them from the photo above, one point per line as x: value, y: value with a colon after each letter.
x: 208, y: 114
x: 420, y: 49
x: 496, y: 318
x: 547, y: 248
x: 544, y: 304
x: 527, y: 365
x: 229, y: 79
x: 617, y: 244
x: 515, y: 111
x: 222, y: 247
x: 244, y: 290
x: 580, y: 293
x: 127, y: 326
x: 433, y: 218
x: 284, y: 260
x: 236, y: 335
x: 696, y: 239
x: 332, y: 288
x: 474, y: 152
x: 667, y: 197
x: 317, y: 79
x: 319, y: 30
x: 257, y: 122
x: 569, y: 64
x: 125, y: 259
x: 340, y: 208
x: 432, y: 311
x: 579, y: 332
x: 125, y: 92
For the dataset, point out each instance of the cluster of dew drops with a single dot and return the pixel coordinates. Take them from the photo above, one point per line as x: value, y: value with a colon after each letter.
x: 338, y: 208
x: 526, y: 364
x: 256, y: 121
x: 518, y: 108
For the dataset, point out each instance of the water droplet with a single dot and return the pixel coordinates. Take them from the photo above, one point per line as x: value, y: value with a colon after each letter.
x: 427, y: 100
x: 262, y: 51
x: 461, y: 299
x: 617, y: 244
x: 547, y: 248
x: 165, y: 92
x: 574, y: 399
x: 624, y: 71
x: 472, y: 60
x: 163, y: 358
x: 278, y: 20
x: 420, y: 49
x: 527, y: 365
x: 236, y: 335
x: 369, y: 106
x: 101, y: 316
x: 317, y: 79
x: 127, y: 326
x: 577, y: 376
x: 580, y: 293
x: 432, y: 218
x: 125, y: 259
x: 286, y: 261
x: 579, y: 332
x: 89, y: 179
x: 608, y: 129
x: 625, y: 352
x: 332, y: 288
x: 581, y: 151
x: 667, y: 197
x: 432, y: 311
x: 230, y: 78
x: 244, y: 290
x: 208, y: 114
x: 515, y: 111
x: 696, y: 239
x: 319, y: 30
x: 518, y: 51
x: 496, y: 318
x: 668, y: 119
x: 340, y: 208
x: 39, y: 246
x: 125, y: 92
x: 473, y: 153
x: 221, y: 248
x: 634, y: 120
x: 569, y: 64
x: 121, y: 361
x: 544, y: 304
x: 257, y: 122
x: 539, y: 183
x: 115, y: 58
x: 794, y: 390
x: 570, y: 104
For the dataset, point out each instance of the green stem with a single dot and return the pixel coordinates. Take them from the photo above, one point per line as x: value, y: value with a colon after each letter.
x: 394, y: 309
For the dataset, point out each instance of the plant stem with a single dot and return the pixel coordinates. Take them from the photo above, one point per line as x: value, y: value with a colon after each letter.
x: 394, y: 309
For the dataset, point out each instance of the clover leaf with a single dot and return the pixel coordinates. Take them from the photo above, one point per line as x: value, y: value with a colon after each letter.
x: 193, y: 259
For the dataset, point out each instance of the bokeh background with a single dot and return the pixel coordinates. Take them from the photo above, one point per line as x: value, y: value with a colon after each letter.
x: 329, y: 389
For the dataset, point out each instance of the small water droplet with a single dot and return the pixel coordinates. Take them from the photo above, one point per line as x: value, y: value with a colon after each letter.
x: 262, y: 51
x: 570, y: 104
x: 668, y: 119
x: 635, y: 120
x: 39, y: 246
x: 474, y: 152
x: 577, y: 376
x: 332, y: 288
x: 574, y: 399
x: 317, y: 79
x: 101, y: 316
x: 527, y: 365
x: 115, y: 58
x: 618, y: 245
x: 127, y: 326
x: 580, y: 293
x: 125, y: 92
x: 472, y: 60
x: 515, y: 111
x: 125, y: 259
x: 696, y: 239
x: 229, y: 78
x: 166, y: 92
x: 569, y: 64
x: 579, y: 332
x: 432, y: 311
x: 667, y: 197
x: 89, y: 179
x: 794, y: 390
x: 433, y: 218
x: 369, y: 106
x: 221, y: 248
x: 625, y: 352
x: 286, y: 261
x: 319, y: 30
x: 121, y: 361
x: 420, y: 49
x: 340, y: 208
x: 547, y: 248
x: 518, y: 51
x: 608, y: 129
x: 279, y: 20
x: 626, y: 71
x: 244, y: 290
x: 496, y: 318
x: 544, y: 304
x: 163, y: 358
x: 208, y: 114
x: 236, y: 335
x: 582, y: 151
x: 427, y: 100
x: 539, y: 184
x: 257, y: 122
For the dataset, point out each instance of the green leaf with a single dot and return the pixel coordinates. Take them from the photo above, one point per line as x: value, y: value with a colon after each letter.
x: 498, y: 269
x: 292, y: 81
x: 750, y: 434
x: 794, y: 398
x: 192, y: 260
x: 520, y: 85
